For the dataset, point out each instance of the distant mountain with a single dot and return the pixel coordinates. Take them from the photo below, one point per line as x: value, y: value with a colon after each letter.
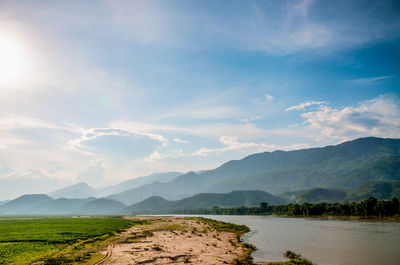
x: 382, y: 190
x: 315, y: 195
x: 139, y: 181
x: 181, y: 187
x: 157, y: 204
x: 154, y: 204
x: 82, y: 190
x: 101, y: 207
x: 346, y: 165
x: 63, y: 206
x: 377, y: 189
x: 25, y: 205
x: 77, y: 191
x: 40, y: 204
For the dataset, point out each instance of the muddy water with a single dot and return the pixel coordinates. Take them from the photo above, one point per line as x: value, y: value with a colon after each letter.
x: 323, y: 241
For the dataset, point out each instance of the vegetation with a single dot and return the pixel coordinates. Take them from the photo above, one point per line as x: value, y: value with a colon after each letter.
x: 382, y: 190
x: 223, y: 226
x: 56, y: 240
x: 369, y: 207
x: 316, y: 195
x: 294, y: 259
x: 346, y: 165
x: 156, y: 205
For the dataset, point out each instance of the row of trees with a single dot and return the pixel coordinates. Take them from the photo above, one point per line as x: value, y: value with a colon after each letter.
x: 368, y: 207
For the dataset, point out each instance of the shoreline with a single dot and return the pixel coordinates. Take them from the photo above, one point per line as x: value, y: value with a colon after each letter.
x: 349, y: 217
x: 181, y: 240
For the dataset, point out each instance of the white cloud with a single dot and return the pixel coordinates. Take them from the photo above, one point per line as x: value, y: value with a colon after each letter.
x: 304, y: 105
x: 11, y: 121
x: 157, y: 155
x: 376, y: 117
x: 180, y: 141
x: 251, y: 119
x: 93, y: 133
x: 232, y: 144
x: 19, y: 182
x: 211, y: 130
x: 370, y: 80
x: 269, y: 97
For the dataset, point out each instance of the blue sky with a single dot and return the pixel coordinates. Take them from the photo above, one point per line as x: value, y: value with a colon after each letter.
x: 104, y: 91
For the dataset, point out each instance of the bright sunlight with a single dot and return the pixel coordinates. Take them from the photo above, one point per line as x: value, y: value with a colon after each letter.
x: 14, y: 64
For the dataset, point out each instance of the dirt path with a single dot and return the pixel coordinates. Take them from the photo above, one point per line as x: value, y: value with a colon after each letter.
x: 174, y: 240
x: 109, y: 254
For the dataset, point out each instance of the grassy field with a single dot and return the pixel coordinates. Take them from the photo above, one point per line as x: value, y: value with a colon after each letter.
x: 76, y: 240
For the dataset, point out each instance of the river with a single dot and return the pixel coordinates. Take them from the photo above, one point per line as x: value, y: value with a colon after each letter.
x: 325, y: 241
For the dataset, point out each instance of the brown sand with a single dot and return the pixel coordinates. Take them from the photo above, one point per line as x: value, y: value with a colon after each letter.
x: 176, y: 240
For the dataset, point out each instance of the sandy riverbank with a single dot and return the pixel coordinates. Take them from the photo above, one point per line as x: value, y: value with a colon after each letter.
x: 177, y: 240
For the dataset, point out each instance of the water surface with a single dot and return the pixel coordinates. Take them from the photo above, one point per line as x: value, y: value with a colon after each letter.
x: 323, y: 241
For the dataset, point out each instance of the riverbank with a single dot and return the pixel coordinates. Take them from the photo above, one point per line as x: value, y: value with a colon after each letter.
x: 179, y: 240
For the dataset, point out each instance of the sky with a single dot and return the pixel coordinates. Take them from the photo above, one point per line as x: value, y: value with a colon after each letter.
x: 105, y: 91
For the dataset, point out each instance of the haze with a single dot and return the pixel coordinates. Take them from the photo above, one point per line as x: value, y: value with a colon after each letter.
x: 102, y: 92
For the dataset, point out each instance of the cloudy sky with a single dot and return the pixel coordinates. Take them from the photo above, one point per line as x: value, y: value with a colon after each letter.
x: 104, y: 91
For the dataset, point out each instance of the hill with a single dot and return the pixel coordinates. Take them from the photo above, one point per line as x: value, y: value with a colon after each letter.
x: 101, y: 207
x: 24, y: 205
x: 156, y: 204
x: 315, y: 195
x: 151, y: 205
x: 62, y: 206
x: 346, y: 165
x: 82, y: 190
x: 181, y: 187
x: 77, y: 191
x: 139, y: 181
x: 382, y: 190
x: 40, y: 204
x: 377, y: 189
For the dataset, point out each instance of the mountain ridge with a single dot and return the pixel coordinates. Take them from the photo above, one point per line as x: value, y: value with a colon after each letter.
x: 345, y: 165
x: 157, y: 204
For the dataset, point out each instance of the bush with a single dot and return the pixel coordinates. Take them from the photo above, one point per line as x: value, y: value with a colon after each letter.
x: 61, y: 260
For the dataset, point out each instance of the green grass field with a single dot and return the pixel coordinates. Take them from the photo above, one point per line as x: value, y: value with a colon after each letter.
x: 23, y: 241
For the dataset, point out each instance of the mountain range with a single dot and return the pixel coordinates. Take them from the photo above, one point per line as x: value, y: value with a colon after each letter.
x: 343, y: 172
x: 346, y: 165
x: 156, y: 204
x: 83, y: 190
x: 40, y: 204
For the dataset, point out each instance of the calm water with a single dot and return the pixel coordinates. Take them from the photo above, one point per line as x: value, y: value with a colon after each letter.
x: 323, y: 241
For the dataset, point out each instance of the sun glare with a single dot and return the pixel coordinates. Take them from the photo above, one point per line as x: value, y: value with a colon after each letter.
x: 13, y: 62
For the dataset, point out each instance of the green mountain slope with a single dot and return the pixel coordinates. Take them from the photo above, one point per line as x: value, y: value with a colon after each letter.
x: 378, y: 189
x: 101, y: 207
x: 382, y: 190
x: 316, y: 195
x: 156, y: 204
x: 346, y: 165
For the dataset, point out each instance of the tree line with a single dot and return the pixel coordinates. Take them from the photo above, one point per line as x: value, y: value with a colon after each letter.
x: 368, y: 207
